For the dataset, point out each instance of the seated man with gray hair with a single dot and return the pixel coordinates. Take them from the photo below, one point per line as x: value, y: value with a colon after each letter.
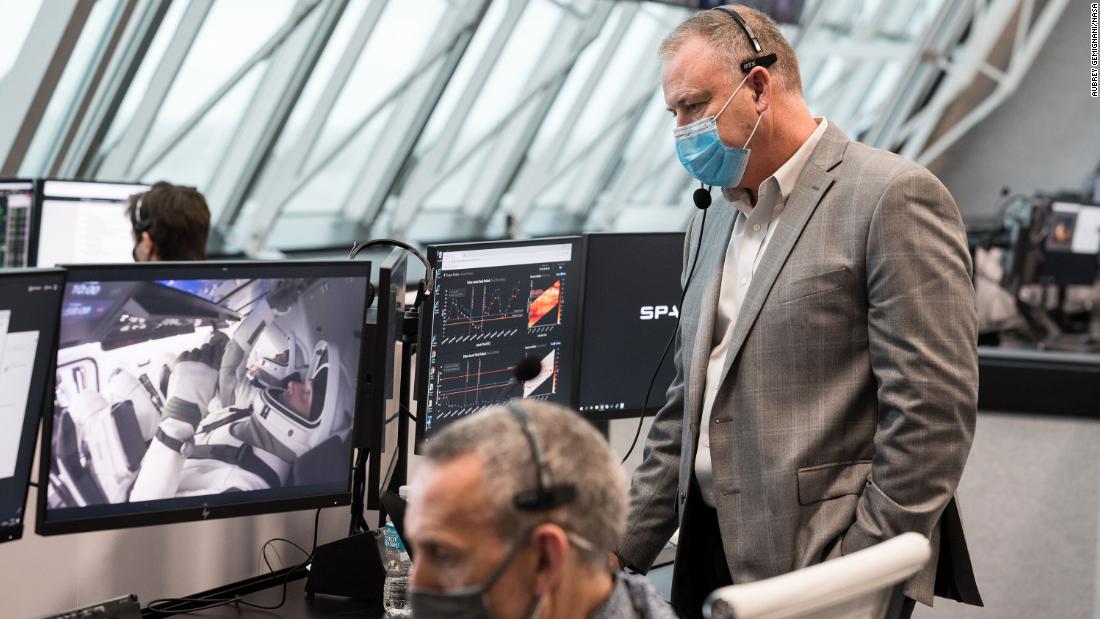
x: 513, y: 514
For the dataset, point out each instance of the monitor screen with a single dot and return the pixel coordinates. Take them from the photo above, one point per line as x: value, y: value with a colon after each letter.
x: 16, y: 198
x: 84, y: 222
x: 199, y: 390
x: 29, y: 305
x: 631, y: 303
x: 492, y: 306
x: 1072, y: 245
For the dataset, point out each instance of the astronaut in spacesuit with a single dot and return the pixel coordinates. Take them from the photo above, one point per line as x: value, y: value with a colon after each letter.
x: 241, y: 411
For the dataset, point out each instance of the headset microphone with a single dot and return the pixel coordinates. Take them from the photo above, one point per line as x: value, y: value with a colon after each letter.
x: 528, y: 369
x: 701, y: 197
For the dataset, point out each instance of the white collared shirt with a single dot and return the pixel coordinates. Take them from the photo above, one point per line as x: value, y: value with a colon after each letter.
x: 751, y: 233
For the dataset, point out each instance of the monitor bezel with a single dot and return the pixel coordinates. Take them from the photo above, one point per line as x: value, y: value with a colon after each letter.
x: 424, y: 336
x: 375, y: 416
x: 32, y: 223
x: 36, y: 214
x: 9, y: 534
x: 635, y: 413
x: 196, y: 270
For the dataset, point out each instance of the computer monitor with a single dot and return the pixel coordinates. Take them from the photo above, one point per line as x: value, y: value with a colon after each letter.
x: 16, y: 200
x: 1071, y: 251
x: 29, y: 304
x: 631, y: 303
x: 385, y: 319
x: 187, y: 391
x: 83, y: 222
x: 492, y: 306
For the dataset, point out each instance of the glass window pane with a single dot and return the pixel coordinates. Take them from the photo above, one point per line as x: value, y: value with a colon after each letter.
x: 18, y: 18
x: 70, y: 88
x: 395, y: 48
x: 193, y: 159
x: 232, y: 32
x: 512, y: 73
x: 144, y: 75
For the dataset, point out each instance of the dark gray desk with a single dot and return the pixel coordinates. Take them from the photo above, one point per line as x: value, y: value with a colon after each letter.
x: 321, y: 607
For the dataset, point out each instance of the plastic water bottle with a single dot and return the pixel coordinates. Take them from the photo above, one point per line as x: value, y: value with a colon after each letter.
x: 395, y: 595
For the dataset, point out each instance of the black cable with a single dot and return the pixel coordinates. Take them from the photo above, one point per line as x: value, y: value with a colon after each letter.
x: 153, y: 605
x: 263, y: 551
x: 394, y: 416
x: 427, y: 285
x: 664, y: 353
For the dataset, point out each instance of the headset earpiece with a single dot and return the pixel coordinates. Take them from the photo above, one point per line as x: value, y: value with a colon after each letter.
x: 545, y: 495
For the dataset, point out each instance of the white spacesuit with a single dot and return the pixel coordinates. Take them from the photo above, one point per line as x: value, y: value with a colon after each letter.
x: 114, y: 429
x: 241, y: 412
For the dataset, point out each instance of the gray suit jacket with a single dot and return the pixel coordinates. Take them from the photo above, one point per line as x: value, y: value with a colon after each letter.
x: 847, y: 406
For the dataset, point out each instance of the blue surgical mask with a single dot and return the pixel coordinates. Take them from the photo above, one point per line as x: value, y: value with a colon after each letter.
x: 704, y: 155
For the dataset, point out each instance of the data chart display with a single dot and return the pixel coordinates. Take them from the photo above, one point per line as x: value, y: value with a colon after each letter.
x: 492, y: 307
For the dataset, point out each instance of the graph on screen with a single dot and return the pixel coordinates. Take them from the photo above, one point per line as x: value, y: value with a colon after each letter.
x: 493, y: 308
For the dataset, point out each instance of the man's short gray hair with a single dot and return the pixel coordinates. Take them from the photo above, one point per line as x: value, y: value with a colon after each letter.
x: 724, y: 36
x: 572, y: 451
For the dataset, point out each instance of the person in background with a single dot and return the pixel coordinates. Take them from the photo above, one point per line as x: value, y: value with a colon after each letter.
x: 169, y: 222
x: 486, y: 545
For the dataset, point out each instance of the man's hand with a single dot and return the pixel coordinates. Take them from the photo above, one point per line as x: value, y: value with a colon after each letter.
x: 194, y: 380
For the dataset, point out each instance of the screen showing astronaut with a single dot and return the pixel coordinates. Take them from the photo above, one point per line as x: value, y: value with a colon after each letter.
x: 172, y: 393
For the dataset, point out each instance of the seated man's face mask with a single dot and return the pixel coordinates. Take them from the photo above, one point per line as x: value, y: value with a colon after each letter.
x: 704, y: 155
x: 472, y: 602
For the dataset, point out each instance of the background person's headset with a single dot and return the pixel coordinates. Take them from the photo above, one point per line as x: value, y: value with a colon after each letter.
x: 139, y: 223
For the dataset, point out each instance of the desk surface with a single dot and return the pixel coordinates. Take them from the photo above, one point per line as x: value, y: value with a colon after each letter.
x: 297, y: 605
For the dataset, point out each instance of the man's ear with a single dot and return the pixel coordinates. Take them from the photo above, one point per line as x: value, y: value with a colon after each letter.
x: 552, y: 546
x: 149, y: 245
x: 760, y: 80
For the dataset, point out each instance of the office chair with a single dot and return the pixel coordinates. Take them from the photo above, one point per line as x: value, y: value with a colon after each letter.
x: 856, y: 586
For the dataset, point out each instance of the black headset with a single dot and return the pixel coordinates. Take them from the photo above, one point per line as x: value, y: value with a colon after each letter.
x: 761, y: 59
x: 546, y: 494
x: 140, y: 224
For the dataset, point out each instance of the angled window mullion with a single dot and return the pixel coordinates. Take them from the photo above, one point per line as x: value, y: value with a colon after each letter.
x: 27, y: 88
x: 319, y: 163
x: 537, y: 174
x: 105, y: 93
x: 939, y: 35
x: 673, y: 184
x: 290, y: 167
x: 119, y: 161
x: 510, y: 150
x: 603, y: 213
x: 595, y: 173
x: 267, y: 113
x: 420, y: 183
x: 410, y: 112
x: 120, y: 158
x: 270, y: 47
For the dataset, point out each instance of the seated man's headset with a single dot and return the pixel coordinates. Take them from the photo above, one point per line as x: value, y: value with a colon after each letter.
x: 546, y: 494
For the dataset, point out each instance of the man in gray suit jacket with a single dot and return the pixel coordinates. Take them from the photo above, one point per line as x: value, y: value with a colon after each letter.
x: 826, y: 364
